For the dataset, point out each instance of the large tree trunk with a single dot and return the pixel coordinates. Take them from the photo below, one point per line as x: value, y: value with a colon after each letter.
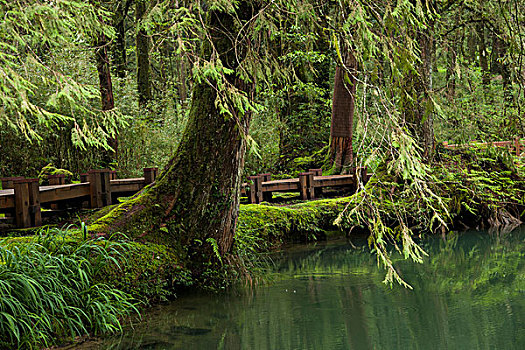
x: 106, y: 90
x: 142, y: 49
x: 193, y: 206
x: 343, y: 107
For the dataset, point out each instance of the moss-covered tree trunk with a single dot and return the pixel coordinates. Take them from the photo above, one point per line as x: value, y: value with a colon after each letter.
x: 343, y: 107
x: 194, y: 204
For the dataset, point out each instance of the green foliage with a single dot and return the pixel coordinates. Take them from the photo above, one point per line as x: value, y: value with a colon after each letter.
x: 38, y: 94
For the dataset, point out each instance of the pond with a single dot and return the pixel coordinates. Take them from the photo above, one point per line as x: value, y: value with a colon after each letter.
x: 469, y: 294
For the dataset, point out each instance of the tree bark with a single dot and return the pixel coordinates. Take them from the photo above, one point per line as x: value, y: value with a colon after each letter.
x: 142, y: 52
x: 106, y: 90
x: 451, y: 69
x: 193, y: 206
x: 483, y: 54
x: 343, y: 107
x: 119, y: 54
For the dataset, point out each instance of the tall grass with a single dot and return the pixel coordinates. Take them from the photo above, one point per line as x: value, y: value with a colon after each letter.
x: 49, y: 292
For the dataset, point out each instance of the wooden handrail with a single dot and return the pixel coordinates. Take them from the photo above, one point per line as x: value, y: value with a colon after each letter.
x: 515, y: 146
x: 99, y: 188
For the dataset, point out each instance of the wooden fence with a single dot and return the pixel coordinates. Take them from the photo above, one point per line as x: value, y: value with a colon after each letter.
x: 515, y: 146
x: 22, y: 200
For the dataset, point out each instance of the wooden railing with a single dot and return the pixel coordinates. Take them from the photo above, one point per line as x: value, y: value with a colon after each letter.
x: 516, y: 146
x: 310, y: 184
x: 22, y: 200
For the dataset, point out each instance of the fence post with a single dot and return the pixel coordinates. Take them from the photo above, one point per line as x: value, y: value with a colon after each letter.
x: 59, y: 179
x: 99, y: 188
x: 27, y: 203
x: 150, y: 175
x: 7, y: 182
x: 84, y: 178
x: 318, y: 191
x: 303, y: 185
x: 256, y: 195
x: 311, y: 186
x: 34, y: 202
x: 267, y: 196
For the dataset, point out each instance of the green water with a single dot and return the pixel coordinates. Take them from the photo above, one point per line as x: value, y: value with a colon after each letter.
x: 469, y: 294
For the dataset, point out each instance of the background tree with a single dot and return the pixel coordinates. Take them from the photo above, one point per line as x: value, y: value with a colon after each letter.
x: 343, y: 108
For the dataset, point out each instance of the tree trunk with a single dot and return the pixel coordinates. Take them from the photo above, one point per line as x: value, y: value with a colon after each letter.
x: 500, y: 66
x: 119, y: 54
x: 106, y: 90
x: 483, y: 54
x: 417, y: 110
x: 193, y: 206
x: 142, y: 49
x: 451, y: 69
x: 343, y: 107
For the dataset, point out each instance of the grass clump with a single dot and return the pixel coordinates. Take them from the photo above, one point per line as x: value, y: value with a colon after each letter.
x: 49, y: 290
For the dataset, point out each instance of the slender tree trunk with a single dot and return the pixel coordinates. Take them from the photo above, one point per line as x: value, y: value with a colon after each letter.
x: 106, y: 89
x: 142, y: 49
x: 343, y: 107
x: 417, y: 110
x: 119, y: 22
x: 194, y: 204
x: 424, y: 87
x: 500, y: 66
x: 483, y: 54
x: 451, y: 69
x: 183, y: 92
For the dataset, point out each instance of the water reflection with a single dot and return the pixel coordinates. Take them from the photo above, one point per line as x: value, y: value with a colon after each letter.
x: 468, y: 295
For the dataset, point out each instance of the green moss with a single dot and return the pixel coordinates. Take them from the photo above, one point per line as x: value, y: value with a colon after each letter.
x: 299, y: 222
x: 150, y: 271
x: 21, y: 232
x: 124, y: 218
